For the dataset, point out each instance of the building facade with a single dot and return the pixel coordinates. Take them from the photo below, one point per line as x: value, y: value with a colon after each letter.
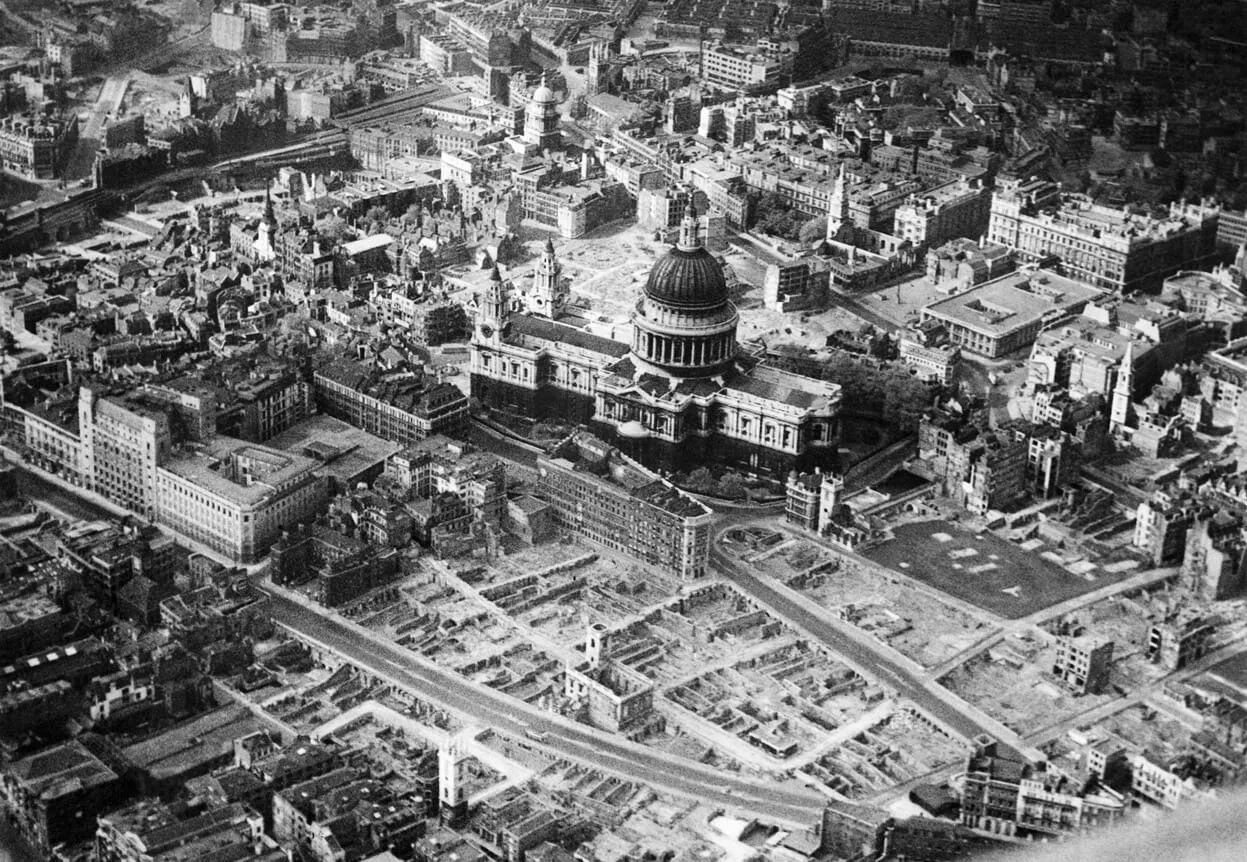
x: 598, y: 493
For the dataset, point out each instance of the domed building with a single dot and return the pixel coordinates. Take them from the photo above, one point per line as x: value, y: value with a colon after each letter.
x: 541, y: 119
x: 680, y: 395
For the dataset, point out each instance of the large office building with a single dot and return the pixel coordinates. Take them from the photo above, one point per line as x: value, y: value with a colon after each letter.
x: 36, y: 146
x: 1006, y: 314
x: 229, y: 495
x: 599, y: 493
x: 399, y: 405
x: 235, y: 497
x: 735, y: 67
x: 682, y: 393
x: 1110, y: 248
x: 956, y: 209
x: 121, y: 442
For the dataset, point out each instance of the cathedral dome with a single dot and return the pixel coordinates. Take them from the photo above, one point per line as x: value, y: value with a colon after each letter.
x: 685, y: 322
x: 543, y: 95
x: 687, y: 278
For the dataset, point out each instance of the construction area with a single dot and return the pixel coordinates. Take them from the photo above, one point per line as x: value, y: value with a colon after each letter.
x: 1013, y: 682
x: 915, y: 622
x: 557, y: 589
x: 900, y: 748
x: 460, y: 633
x: 778, y: 701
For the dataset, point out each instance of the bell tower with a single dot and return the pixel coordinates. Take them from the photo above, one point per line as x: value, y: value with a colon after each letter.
x: 549, y: 294
x: 492, y: 315
x: 1122, y: 408
x: 838, y: 218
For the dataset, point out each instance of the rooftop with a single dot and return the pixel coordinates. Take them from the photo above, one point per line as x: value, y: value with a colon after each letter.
x: 183, y: 747
x: 345, y: 451
x: 1013, y: 301
x: 61, y: 770
x: 241, y: 472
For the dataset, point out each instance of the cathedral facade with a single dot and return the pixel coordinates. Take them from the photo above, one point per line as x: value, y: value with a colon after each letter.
x: 682, y: 394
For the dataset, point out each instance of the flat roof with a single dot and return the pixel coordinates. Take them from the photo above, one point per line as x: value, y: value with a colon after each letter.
x: 187, y: 745
x: 345, y: 451
x: 61, y: 770
x: 208, y: 468
x: 1014, y: 301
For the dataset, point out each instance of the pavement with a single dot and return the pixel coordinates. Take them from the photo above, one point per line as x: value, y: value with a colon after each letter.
x: 607, y: 752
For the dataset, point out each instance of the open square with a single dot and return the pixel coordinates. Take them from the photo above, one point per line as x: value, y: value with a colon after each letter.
x: 1017, y: 582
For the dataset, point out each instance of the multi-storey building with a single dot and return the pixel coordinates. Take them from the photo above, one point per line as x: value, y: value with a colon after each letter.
x: 1015, y: 12
x: 439, y: 465
x: 981, y: 468
x: 1102, y: 246
x: 235, y: 497
x: 1004, y: 793
x: 46, y: 794
x: 122, y: 442
x: 1083, y: 663
x: 401, y: 405
x: 797, y: 284
x: 1160, y: 527
x: 956, y: 209
x: 734, y: 67
x: 541, y: 120
x: 1180, y: 638
x: 1006, y: 314
x: 604, y: 496
x: 1215, y: 563
x: 35, y: 146
x: 1162, y: 783
x: 963, y: 262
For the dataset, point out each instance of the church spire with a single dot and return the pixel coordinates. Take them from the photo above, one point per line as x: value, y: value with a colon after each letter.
x: 1123, y: 393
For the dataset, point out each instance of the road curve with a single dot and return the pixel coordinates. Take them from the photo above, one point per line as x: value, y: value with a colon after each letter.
x: 449, y: 690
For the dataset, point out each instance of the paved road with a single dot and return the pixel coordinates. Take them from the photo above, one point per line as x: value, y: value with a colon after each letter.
x: 36, y: 488
x: 850, y: 303
x: 453, y: 692
x: 489, y: 440
x: 82, y: 161
x: 905, y: 680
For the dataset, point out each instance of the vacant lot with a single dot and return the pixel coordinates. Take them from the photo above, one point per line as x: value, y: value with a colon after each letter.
x: 982, y: 568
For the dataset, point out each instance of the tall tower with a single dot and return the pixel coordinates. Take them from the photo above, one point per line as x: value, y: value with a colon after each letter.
x: 452, y: 759
x: 548, y: 296
x: 838, y: 215
x: 492, y: 316
x: 597, y: 73
x: 1122, y: 410
x: 829, y: 493
x: 689, y: 237
x: 264, y: 248
x: 541, y: 118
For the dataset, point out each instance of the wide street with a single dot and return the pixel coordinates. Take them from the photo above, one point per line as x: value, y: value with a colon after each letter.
x: 579, y: 743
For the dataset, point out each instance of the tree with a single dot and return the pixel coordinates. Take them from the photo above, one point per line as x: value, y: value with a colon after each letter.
x: 376, y: 217
x: 333, y: 229
x: 775, y: 216
x: 813, y: 230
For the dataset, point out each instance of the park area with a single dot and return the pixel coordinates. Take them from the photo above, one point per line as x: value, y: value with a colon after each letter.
x: 984, y: 569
